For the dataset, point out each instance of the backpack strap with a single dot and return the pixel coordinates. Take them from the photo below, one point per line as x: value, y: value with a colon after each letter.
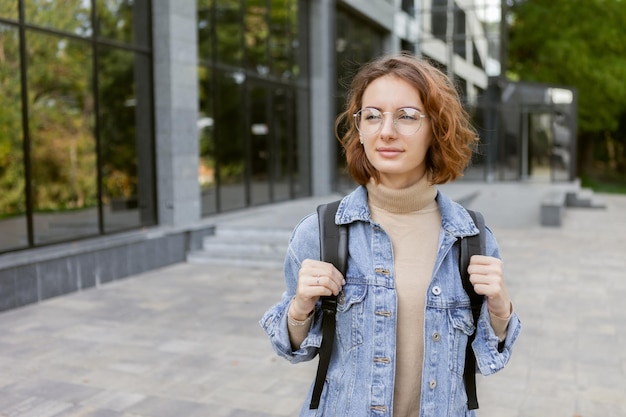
x: 472, y: 245
x: 333, y: 249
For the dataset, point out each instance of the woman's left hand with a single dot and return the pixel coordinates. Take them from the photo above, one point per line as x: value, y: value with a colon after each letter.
x: 487, y: 277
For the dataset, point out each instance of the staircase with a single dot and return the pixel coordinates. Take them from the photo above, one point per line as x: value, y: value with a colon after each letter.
x: 243, y: 247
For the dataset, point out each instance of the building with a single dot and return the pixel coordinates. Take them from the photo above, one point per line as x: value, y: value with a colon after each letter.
x: 125, y: 125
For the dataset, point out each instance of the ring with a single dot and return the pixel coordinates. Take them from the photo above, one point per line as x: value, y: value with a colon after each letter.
x: 318, y: 280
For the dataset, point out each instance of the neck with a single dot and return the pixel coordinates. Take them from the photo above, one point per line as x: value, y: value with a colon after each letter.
x: 412, y: 198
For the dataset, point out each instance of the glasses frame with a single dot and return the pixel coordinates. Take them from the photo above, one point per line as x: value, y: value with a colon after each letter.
x: 356, y: 115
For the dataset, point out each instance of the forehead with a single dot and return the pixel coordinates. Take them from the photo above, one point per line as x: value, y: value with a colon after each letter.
x: 392, y: 92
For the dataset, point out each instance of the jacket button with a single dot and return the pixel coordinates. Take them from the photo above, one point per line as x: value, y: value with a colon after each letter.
x: 436, y: 337
x: 432, y: 384
x: 436, y: 290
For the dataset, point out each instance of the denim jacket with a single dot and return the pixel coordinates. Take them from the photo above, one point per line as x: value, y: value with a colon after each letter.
x: 361, y: 373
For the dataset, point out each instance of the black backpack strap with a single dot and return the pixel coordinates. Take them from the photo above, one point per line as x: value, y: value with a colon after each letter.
x: 333, y: 249
x: 472, y: 245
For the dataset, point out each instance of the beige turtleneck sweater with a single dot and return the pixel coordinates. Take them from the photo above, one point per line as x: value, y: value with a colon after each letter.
x: 411, y: 219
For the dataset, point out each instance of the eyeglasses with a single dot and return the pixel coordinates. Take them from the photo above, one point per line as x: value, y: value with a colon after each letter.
x: 406, y: 120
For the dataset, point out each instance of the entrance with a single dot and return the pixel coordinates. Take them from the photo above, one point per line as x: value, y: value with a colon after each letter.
x: 548, y: 139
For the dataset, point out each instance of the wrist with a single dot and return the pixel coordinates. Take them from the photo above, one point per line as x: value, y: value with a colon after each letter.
x: 505, y: 314
x: 298, y: 314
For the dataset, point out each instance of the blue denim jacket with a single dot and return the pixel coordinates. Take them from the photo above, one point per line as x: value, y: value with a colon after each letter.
x: 362, y: 368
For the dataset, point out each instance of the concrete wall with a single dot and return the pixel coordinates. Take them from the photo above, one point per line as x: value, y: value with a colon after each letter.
x: 39, y: 274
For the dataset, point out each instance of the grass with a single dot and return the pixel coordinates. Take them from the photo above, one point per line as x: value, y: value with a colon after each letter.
x: 602, y: 184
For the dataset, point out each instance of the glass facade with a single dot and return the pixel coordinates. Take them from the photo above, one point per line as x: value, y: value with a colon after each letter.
x: 76, y: 140
x: 357, y: 43
x: 253, y: 102
x: 77, y: 150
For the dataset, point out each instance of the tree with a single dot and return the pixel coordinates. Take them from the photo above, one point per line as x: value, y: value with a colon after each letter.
x: 579, y: 43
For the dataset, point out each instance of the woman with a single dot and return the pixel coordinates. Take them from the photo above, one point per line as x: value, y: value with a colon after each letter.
x: 403, y: 318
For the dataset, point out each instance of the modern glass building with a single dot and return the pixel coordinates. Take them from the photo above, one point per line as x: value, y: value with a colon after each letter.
x: 125, y: 125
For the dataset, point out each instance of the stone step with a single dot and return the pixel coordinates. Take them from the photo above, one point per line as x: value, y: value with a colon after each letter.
x: 584, y: 198
x: 204, y: 258
x: 245, y: 247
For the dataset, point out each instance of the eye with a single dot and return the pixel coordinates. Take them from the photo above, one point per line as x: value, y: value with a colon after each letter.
x: 407, y: 114
x: 372, y: 114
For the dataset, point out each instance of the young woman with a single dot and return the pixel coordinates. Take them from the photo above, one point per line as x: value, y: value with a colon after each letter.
x: 403, y: 317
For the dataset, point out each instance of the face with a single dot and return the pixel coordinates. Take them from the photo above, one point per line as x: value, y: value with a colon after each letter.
x: 399, y: 158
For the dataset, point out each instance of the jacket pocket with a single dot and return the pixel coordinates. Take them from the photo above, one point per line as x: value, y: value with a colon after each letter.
x: 461, y: 328
x: 350, y: 315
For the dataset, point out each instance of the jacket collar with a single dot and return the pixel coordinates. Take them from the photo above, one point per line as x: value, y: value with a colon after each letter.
x: 454, y: 218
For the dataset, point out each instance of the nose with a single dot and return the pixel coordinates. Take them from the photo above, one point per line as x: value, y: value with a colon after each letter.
x: 387, y: 130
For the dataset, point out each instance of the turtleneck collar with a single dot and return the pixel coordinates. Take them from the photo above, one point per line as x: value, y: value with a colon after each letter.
x: 413, y: 198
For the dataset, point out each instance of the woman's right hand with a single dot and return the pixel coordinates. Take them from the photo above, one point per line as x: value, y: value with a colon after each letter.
x: 315, y: 279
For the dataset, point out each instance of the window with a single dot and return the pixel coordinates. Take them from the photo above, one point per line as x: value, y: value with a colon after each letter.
x: 81, y: 165
x: 253, y: 120
x: 13, y: 221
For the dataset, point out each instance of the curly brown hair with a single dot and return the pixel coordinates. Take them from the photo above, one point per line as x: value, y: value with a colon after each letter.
x: 454, y: 137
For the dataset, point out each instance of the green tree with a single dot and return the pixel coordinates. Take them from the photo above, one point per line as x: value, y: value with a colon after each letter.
x: 579, y: 43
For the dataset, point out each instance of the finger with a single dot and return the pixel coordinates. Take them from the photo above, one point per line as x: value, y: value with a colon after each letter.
x: 488, y: 289
x: 492, y: 267
x: 484, y: 260
x: 329, y: 283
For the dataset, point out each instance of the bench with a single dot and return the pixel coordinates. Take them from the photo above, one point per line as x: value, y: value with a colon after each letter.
x: 552, y: 208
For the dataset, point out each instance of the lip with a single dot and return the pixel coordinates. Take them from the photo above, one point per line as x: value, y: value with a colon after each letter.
x: 388, y: 152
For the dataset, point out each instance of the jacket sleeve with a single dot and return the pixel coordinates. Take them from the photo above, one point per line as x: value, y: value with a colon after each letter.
x: 491, y: 355
x: 304, y: 243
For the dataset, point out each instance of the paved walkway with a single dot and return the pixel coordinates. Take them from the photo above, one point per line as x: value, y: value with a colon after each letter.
x: 183, y: 341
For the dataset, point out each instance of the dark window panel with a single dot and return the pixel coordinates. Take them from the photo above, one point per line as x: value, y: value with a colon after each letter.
x: 256, y: 36
x: 125, y: 139
x: 8, y: 9
x: 123, y: 21
x: 459, y: 46
x: 12, y: 176
x: 61, y: 125
x: 206, y: 21
x: 478, y: 62
x: 282, y: 109
x: 206, y: 135
x: 73, y: 16
x: 258, y: 135
x: 281, y: 41
x: 439, y: 19
x: 408, y: 6
x: 229, y: 138
x: 229, y: 32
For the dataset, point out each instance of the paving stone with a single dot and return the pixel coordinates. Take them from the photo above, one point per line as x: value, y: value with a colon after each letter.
x: 184, y: 340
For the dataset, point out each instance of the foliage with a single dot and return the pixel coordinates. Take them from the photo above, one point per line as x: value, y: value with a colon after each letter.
x: 579, y: 43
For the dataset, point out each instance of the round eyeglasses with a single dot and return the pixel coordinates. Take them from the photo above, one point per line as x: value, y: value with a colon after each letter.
x: 406, y: 120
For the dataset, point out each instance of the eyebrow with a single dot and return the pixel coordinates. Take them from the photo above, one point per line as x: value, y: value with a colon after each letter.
x: 397, y: 108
